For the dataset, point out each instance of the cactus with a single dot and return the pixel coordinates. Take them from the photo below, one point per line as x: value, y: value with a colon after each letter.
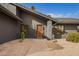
x: 22, y: 36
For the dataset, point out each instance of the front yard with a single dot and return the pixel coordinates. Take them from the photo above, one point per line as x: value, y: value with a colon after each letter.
x: 40, y: 47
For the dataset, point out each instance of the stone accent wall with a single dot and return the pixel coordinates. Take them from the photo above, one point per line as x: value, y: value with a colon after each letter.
x: 49, y: 29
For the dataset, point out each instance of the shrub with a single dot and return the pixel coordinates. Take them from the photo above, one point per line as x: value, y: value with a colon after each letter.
x: 73, y: 37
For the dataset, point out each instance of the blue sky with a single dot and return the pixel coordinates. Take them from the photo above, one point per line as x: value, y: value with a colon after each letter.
x: 62, y: 10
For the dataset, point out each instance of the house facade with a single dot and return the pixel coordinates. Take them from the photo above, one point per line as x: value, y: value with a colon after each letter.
x: 14, y: 17
x: 36, y: 25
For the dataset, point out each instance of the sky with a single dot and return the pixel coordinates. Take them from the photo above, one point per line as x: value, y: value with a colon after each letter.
x: 57, y: 10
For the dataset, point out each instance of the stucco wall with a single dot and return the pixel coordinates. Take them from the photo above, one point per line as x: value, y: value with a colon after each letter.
x: 9, y: 7
x: 8, y: 28
x: 32, y: 23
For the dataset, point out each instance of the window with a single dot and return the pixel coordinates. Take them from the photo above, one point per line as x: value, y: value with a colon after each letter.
x: 24, y: 28
x: 70, y: 27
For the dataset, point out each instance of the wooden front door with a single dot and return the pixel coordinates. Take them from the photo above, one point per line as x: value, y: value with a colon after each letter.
x: 40, y: 31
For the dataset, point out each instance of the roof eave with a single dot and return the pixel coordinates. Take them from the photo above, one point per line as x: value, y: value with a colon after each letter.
x: 40, y: 14
x: 7, y: 12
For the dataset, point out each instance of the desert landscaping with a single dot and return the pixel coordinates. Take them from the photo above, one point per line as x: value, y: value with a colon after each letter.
x: 39, y: 47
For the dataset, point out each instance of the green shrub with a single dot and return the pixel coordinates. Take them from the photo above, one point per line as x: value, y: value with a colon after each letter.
x: 22, y: 36
x: 73, y: 37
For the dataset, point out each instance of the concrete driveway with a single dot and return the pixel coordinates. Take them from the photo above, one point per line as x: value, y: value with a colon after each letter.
x: 69, y: 49
x: 39, y: 47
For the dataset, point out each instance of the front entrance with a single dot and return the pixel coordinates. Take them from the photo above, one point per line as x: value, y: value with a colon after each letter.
x: 40, y: 31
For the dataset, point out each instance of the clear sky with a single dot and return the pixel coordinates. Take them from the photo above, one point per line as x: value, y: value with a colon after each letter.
x: 67, y: 10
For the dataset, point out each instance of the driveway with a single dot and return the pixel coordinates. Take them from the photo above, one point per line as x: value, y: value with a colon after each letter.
x: 69, y: 49
x: 39, y: 47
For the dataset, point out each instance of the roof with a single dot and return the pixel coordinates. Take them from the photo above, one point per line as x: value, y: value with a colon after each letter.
x: 34, y: 12
x: 7, y: 12
x: 67, y: 20
x: 26, y: 9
